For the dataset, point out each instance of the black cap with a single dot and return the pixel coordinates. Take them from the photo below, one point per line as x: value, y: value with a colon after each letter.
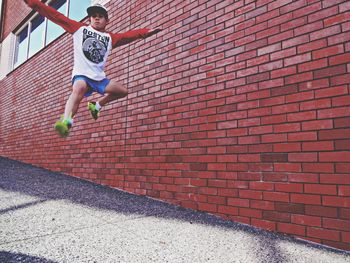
x: 97, y: 8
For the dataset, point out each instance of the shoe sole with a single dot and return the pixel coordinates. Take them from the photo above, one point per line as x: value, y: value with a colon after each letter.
x: 61, y: 129
x: 93, y: 116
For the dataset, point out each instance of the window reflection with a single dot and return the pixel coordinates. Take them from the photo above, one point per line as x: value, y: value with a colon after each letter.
x: 77, y: 9
x: 53, y: 30
x: 36, y: 35
x: 22, y: 46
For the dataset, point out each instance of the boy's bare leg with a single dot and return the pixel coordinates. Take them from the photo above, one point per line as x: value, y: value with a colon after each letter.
x: 79, y: 89
x: 114, y: 91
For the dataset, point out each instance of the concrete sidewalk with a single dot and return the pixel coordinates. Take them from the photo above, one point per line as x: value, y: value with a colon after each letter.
x: 50, y: 217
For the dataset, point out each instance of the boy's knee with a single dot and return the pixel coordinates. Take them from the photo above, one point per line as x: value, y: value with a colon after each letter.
x: 79, y: 90
x: 124, y: 92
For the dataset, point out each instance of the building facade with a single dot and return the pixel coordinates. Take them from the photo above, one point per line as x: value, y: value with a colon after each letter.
x: 238, y: 108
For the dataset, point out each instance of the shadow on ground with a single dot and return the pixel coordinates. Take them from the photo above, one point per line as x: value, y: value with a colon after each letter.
x: 9, y: 257
x: 46, y: 185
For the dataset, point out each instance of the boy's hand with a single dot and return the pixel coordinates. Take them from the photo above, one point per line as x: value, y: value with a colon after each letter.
x: 153, y: 31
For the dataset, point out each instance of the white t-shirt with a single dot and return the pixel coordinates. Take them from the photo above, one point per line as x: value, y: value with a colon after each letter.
x: 91, y: 49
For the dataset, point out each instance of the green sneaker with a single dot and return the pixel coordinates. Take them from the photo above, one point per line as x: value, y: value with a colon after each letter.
x: 63, y: 127
x: 92, y: 108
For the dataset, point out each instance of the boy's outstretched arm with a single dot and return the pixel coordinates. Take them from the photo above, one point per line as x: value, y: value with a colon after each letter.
x: 121, y: 39
x: 52, y: 14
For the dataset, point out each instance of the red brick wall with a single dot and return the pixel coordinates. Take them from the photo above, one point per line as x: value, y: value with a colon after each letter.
x: 13, y: 14
x: 238, y: 108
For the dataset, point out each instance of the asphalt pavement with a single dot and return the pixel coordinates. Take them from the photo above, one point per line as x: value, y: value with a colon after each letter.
x: 51, y: 217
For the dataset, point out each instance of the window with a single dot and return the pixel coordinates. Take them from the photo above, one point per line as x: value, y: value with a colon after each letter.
x: 39, y: 31
x: 53, y: 30
x: 22, y: 47
x: 36, y: 35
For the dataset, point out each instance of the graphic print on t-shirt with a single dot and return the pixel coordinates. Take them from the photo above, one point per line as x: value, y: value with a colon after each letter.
x: 94, y: 46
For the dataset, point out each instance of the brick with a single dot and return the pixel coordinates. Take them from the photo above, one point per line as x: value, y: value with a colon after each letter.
x: 342, y: 122
x: 335, y: 112
x: 262, y: 205
x: 336, y: 224
x: 323, y: 233
x: 304, y: 177
x: 330, y: 71
x: 328, y: 52
x: 276, y: 216
x: 286, y: 127
x: 287, y: 147
x: 302, y: 136
x: 309, y: 28
x: 289, y: 187
x: 274, y: 177
x: 314, y: 65
x: 325, y: 12
x: 336, y: 201
x: 302, y: 96
x: 342, y: 167
x: 284, y: 53
x: 294, y: 107
x: 330, y: 92
x: 302, y: 116
x: 211, y: 208
x: 251, y: 213
x: 314, y: 84
x: 344, y: 190
x: 343, y: 156
x: 320, y: 189
x: 317, y: 125
x: 290, y: 167
x: 297, y: 59
x: 315, y: 104
x: 306, y: 220
x: 299, y: 78
x: 335, y: 179
x: 341, y: 101
x: 290, y: 207
x: 334, y: 134
x: 274, y: 138
x: 274, y: 157
x: 329, y: 31
x: 250, y: 194
x: 344, y: 213
x: 318, y: 167
x: 337, y: 19
x: 294, y: 23
x: 284, y: 90
x: 228, y: 210
x: 276, y: 196
x: 306, y: 199
x: 339, y: 80
x: 346, y: 238
x: 265, y: 224
x: 274, y: 119
x: 314, y: 45
x: 303, y: 157
x: 238, y: 202
x: 342, y: 145
x: 291, y: 229
x: 284, y: 72
x: 322, y: 211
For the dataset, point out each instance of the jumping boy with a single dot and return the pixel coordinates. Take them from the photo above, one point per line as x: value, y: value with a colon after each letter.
x: 92, y: 45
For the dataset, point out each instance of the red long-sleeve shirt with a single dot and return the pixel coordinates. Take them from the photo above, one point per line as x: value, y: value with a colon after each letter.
x: 91, y: 47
